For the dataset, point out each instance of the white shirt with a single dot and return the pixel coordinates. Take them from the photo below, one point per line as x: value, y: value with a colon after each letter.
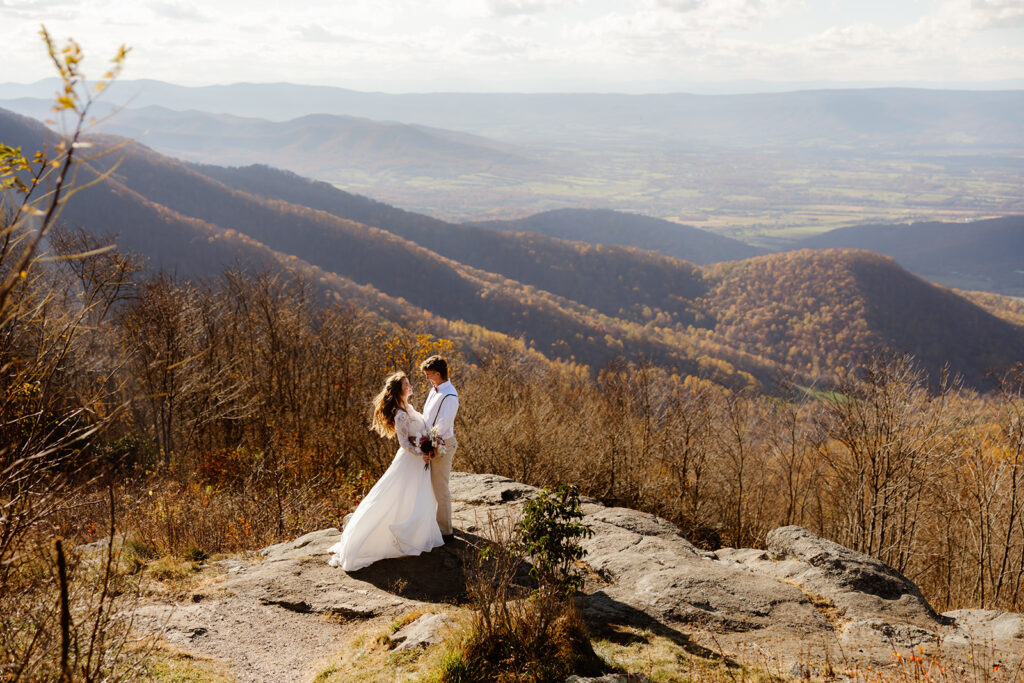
x: 440, y: 408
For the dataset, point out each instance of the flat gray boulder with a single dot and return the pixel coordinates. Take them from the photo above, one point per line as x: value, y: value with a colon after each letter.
x: 985, y: 626
x: 487, y: 489
x: 858, y: 584
x: 652, y: 572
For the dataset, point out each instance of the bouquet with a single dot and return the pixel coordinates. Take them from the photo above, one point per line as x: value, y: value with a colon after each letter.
x: 430, y: 444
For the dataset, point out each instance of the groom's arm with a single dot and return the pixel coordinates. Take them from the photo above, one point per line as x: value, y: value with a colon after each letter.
x: 446, y: 414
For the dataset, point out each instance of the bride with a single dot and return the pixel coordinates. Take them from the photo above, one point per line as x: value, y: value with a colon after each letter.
x: 399, y: 515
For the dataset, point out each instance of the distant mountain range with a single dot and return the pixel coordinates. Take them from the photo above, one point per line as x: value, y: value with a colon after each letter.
x: 884, y: 118
x: 985, y: 255
x: 762, y: 321
x: 771, y: 161
x: 318, y: 145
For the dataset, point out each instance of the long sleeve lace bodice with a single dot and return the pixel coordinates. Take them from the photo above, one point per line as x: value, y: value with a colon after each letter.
x: 408, y: 429
x: 398, y: 517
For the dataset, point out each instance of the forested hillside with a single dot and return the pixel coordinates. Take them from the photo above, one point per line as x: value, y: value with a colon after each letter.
x: 761, y: 322
x: 615, y: 227
x: 826, y: 309
x: 575, y: 270
x: 986, y: 254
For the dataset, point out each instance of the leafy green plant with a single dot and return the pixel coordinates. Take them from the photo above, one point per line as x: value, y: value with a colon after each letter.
x: 195, y: 554
x: 550, y: 533
x: 520, y: 634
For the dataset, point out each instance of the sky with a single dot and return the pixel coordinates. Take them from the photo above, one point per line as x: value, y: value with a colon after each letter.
x: 528, y: 45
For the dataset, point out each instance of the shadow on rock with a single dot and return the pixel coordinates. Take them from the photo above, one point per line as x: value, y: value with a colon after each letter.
x: 606, y: 616
x: 438, y: 576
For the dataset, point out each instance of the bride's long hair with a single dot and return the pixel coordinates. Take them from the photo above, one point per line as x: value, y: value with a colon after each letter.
x: 386, y: 405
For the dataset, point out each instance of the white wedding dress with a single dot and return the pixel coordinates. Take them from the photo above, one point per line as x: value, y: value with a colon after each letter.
x: 398, y: 516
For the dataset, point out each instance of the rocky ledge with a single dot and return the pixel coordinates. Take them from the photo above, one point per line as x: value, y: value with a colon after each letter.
x: 802, y: 602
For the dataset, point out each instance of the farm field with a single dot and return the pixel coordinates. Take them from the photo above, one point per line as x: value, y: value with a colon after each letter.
x: 757, y: 195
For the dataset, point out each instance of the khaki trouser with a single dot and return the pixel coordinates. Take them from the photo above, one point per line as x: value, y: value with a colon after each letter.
x: 440, y: 469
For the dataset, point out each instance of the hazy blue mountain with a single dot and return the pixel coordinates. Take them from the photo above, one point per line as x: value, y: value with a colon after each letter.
x: 603, y: 226
x: 987, y: 254
x: 319, y: 145
x: 760, y: 159
x: 881, y: 116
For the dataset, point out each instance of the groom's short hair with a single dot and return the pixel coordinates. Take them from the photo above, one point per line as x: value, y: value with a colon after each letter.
x: 436, y: 364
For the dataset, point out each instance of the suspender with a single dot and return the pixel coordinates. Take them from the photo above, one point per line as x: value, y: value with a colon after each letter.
x: 438, y: 413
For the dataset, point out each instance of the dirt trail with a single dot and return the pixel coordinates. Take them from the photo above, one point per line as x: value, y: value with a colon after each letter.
x: 282, y: 617
x: 258, y: 642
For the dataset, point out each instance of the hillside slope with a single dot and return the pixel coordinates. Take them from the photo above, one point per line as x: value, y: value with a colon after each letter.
x: 575, y: 270
x: 160, y: 208
x: 814, y: 309
x: 602, y: 226
x: 987, y: 254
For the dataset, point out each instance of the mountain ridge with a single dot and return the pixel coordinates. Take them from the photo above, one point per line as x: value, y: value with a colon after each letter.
x: 606, y: 226
x: 986, y: 253
x: 913, y: 115
x: 717, y: 322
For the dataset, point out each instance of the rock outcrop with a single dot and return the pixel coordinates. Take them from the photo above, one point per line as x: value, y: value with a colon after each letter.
x: 856, y: 583
x: 801, y: 597
x: 427, y: 630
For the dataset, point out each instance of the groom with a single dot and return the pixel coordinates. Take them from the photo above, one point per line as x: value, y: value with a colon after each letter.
x: 439, y: 410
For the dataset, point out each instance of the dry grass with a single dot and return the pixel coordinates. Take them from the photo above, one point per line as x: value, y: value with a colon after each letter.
x: 169, y: 664
x: 514, y: 656
x: 982, y: 664
x: 367, y: 654
x: 664, y: 659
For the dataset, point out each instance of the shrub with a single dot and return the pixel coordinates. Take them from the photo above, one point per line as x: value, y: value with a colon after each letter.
x: 520, y: 634
x: 195, y: 554
x: 549, y: 534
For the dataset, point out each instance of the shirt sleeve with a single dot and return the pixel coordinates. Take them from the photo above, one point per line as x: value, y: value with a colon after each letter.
x: 446, y: 414
x: 402, y: 432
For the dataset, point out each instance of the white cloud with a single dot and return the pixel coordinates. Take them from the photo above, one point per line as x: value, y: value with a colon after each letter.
x: 663, y: 28
x: 34, y: 4
x: 998, y: 13
x: 723, y: 14
x: 315, y: 33
x: 489, y: 44
x: 853, y: 38
x: 177, y: 10
x: 398, y: 44
x: 507, y: 8
x: 39, y: 11
x: 683, y: 5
